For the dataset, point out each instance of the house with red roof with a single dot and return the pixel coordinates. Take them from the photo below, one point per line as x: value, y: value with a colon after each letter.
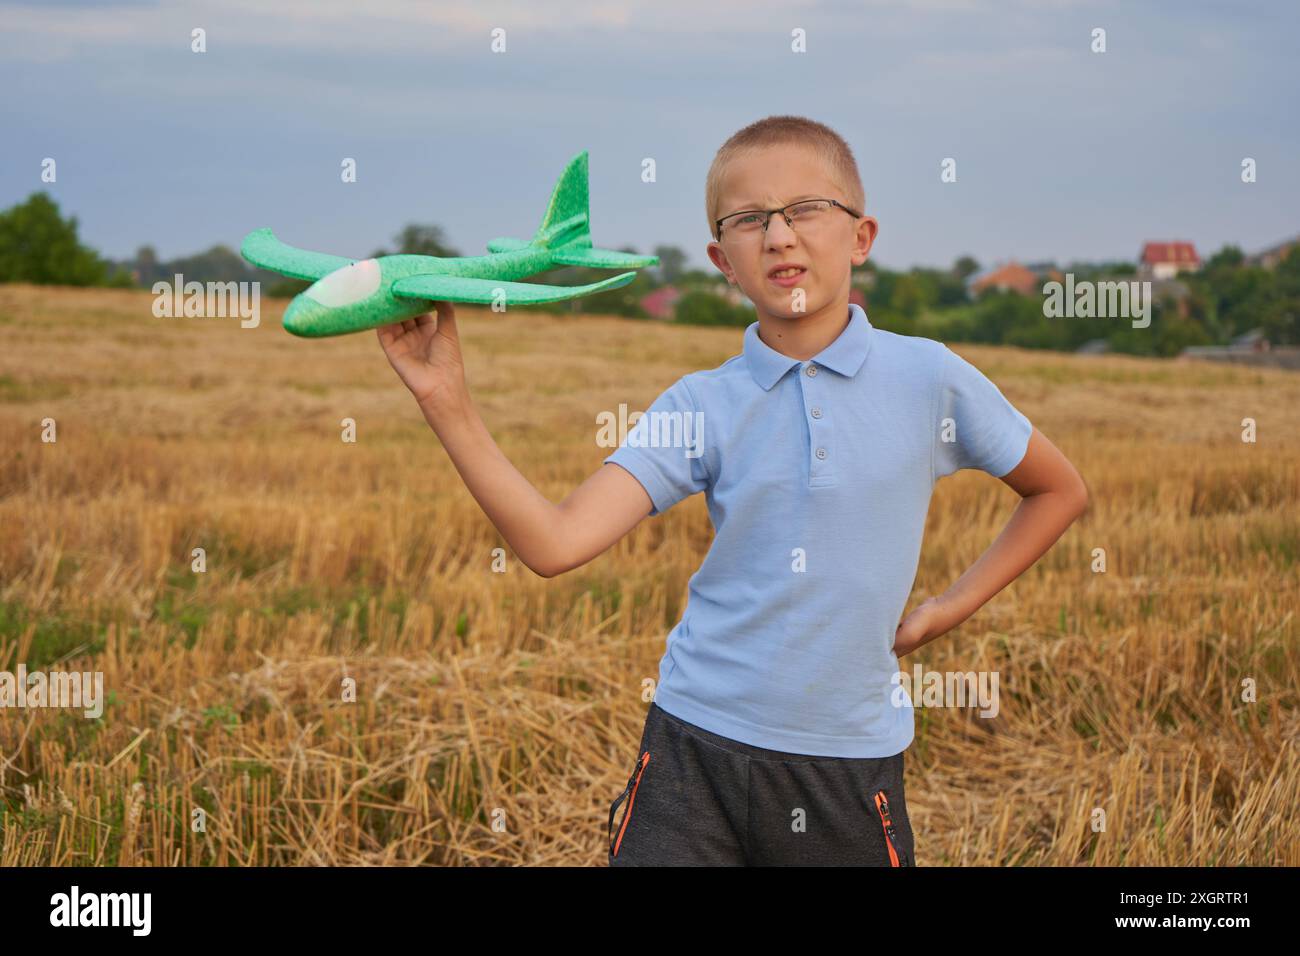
x: 1164, y: 260
x: 1012, y: 277
x: 659, y: 303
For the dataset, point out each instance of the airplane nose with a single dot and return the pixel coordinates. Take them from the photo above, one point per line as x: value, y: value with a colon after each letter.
x: 298, y: 315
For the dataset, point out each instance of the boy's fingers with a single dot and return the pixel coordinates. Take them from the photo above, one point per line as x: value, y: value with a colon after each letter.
x: 446, y: 316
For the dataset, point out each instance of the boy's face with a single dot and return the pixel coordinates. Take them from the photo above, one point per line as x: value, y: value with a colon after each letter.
x: 775, y: 176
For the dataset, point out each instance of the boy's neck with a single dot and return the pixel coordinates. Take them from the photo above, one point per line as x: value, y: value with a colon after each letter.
x: 805, y: 335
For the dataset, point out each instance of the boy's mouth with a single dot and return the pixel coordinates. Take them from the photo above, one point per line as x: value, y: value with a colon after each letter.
x: 786, y: 274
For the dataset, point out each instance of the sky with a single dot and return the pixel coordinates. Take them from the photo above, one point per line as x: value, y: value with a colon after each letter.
x: 1062, y: 153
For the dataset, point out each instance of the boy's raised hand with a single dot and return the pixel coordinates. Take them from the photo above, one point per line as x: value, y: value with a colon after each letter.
x: 425, y: 353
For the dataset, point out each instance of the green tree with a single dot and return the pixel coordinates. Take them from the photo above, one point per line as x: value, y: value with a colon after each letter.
x: 421, y: 239
x: 38, y: 245
x: 672, y: 262
x: 146, y: 265
x: 704, y: 308
x: 965, y: 267
x: 1226, y: 259
x: 217, y: 264
x: 1281, y: 318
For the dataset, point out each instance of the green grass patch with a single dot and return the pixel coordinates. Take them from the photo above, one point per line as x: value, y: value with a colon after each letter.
x: 57, y: 635
x: 13, y: 390
x: 1280, y: 541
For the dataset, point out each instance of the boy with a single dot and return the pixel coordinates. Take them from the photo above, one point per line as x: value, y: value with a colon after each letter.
x: 773, y: 738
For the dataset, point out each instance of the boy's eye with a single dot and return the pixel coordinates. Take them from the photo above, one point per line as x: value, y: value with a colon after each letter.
x: 750, y: 220
x: 810, y: 208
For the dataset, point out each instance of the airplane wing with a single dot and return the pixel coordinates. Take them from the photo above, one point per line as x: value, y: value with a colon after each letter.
x: 578, y: 255
x: 263, y: 250
x: 596, y: 258
x: 460, y: 289
x: 507, y: 245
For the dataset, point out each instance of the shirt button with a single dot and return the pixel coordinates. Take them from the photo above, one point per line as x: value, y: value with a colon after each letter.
x: 821, y: 452
x: 812, y: 370
x: 816, y: 412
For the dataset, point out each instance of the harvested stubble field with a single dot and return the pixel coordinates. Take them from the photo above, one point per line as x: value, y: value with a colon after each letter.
x: 497, y: 714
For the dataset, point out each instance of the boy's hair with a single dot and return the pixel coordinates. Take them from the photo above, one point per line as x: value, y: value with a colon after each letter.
x: 793, y: 130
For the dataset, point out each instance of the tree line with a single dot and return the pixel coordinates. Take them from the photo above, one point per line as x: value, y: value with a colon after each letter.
x: 1226, y: 297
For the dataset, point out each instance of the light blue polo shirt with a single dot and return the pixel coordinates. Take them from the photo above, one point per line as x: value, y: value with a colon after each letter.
x: 818, y: 476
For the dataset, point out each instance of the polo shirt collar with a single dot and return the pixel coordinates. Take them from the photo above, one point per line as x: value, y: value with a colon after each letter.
x: 845, y: 355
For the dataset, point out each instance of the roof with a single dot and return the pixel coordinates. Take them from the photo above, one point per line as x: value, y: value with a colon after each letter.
x: 1176, y: 252
x: 1011, y: 274
x: 1272, y: 251
x: 659, y: 303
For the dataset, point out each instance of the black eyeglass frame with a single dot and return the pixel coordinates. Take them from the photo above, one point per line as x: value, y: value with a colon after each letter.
x: 717, y: 226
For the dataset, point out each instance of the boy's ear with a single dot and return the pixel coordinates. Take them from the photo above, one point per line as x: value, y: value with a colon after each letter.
x: 719, y: 258
x: 868, y: 228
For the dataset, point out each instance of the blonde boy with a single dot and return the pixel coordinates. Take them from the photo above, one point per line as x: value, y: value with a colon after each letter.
x: 775, y: 736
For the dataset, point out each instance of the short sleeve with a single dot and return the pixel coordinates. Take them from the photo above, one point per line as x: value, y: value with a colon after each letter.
x: 977, y: 426
x: 664, y: 449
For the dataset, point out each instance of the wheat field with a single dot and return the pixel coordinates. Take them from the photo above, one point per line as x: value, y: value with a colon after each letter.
x: 497, y: 713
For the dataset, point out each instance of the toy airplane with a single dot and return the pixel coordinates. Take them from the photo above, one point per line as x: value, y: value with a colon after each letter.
x: 348, y: 295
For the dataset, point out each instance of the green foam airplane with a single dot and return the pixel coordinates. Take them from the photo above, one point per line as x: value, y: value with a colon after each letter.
x: 349, y: 295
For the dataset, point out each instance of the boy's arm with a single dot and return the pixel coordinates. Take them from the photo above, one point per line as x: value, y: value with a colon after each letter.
x: 1053, y: 495
x: 548, y: 538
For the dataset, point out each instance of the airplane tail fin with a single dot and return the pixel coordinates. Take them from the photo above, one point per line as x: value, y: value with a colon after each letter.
x: 566, y: 228
x: 568, y: 217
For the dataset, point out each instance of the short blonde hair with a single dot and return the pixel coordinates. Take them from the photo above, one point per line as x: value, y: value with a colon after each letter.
x: 788, y: 130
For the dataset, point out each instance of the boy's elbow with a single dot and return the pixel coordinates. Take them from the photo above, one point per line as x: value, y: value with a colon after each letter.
x: 549, y: 568
x: 543, y: 570
x: 1079, y: 498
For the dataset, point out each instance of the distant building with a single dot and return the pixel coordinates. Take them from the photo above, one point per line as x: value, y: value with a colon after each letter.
x: 1270, y: 257
x: 1046, y: 271
x: 1252, y: 341
x: 1011, y: 277
x: 857, y: 298
x: 1164, y: 260
x: 1250, y: 347
x: 659, y: 303
x: 1093, y: 347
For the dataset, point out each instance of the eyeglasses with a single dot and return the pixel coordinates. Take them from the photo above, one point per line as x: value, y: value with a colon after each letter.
x: 806, y: 213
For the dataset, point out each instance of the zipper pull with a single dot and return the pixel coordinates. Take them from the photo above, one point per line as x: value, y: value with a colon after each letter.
x: 884, y: 809
x: 882, y: 806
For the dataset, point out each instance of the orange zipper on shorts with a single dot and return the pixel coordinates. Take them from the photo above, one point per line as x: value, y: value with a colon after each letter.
x: 633, y: 783
x: 896, y: 857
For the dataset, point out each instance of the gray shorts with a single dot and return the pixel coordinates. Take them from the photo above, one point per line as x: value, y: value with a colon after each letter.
x: 695, y: 798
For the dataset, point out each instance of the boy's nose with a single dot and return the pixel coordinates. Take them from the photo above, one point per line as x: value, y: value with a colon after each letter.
x: 779, y: 233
